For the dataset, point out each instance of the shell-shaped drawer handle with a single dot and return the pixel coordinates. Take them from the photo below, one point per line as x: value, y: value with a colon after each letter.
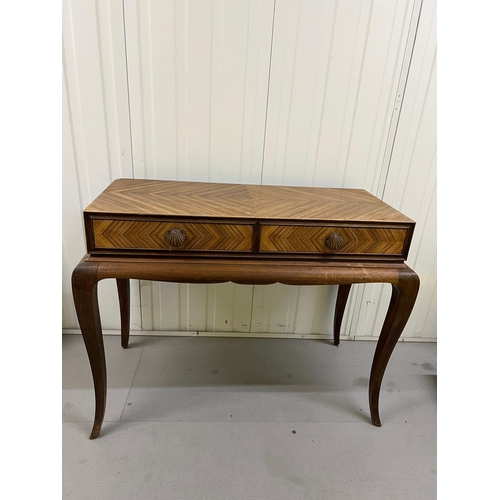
x: 176, y: 237
x: 334, y: 241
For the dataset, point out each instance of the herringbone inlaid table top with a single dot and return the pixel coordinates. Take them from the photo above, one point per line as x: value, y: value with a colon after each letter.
x: 202, y: 199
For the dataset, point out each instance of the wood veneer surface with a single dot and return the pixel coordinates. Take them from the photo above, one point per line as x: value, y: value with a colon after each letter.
x: 312, y: 239
x: 153, y: 235
x: 203, y: 199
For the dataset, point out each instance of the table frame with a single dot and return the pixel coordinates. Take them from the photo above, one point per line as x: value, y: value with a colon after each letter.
x: 92, y: 269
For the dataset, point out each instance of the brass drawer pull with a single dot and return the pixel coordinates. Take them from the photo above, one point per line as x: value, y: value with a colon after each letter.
x: 334, y: 241
x: 176, y: 237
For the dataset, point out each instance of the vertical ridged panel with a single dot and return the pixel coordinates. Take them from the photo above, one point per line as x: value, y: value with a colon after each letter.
x: 334, y: 73
x: 197, y: 83
x: 335, y: 70
x: 198, y: 75
x: 411, y: 187
x: 73, y: 240
x: 96, y: 133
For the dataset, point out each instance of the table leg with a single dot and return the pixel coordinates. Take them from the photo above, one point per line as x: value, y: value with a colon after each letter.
x: 342, y: 296
x: 124, y: 299
x: 84, y: 283
x: 404, y: 294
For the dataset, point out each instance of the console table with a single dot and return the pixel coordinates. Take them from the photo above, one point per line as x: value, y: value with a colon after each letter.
x: 196, y: 232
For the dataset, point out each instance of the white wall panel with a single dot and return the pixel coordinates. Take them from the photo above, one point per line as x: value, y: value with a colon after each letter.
x: 252, y: 91
x: 411, y: 188
x: 73, y: 239
x: 96, y: 135
x: 334, y: 78
x: 198, y: 75
x: 294, y: 310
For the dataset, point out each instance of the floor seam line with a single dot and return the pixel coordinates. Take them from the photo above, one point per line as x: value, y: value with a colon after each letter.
x: 131, y: 384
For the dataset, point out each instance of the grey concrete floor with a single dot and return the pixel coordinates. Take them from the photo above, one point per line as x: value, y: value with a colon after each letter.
x: 230, y: 418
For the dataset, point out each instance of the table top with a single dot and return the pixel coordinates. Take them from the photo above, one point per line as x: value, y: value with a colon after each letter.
x: 209, y: 199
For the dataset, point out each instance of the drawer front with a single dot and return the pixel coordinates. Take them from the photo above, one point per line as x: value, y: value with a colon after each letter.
x: 127, y: 234
x: 347, y: 240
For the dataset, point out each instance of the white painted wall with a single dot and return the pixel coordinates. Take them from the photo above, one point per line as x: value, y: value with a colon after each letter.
x: 96, y: 133
x: 410, y: 186
x: 272, y: 92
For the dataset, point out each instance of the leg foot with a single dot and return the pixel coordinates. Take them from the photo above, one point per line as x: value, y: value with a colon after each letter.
x: 84, y: 282
x: 124, y: 299
x: 96, y: 430
x: 403, y: 299
x: 342, y: 296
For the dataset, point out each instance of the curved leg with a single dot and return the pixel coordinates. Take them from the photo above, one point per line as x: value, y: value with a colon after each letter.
x: 84, y: 283
x: 403, y: 299
x: 124, y: 298
x: 342, y: 296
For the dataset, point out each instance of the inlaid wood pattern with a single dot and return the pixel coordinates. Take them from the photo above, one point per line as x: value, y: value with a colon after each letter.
x: 311, y: 203
x: 313, y: 240
x: 128, y: 234
x: 205, y: 199
x: 177, y: 198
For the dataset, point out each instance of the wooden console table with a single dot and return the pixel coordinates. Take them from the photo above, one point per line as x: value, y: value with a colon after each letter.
x: 194, y: 232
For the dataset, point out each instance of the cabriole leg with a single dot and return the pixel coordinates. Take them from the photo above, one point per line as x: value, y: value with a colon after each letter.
x: 342, y: 296
x: 124, y: 298
x: 403, y: 299
x: 84, y: 283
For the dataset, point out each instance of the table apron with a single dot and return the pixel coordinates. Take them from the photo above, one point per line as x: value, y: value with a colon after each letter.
x: 251, y: 272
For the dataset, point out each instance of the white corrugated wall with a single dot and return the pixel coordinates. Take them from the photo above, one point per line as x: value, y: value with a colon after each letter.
x: 317, y: 93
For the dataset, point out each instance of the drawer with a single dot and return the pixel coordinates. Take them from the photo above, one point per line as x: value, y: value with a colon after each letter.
x: 343, y: 240
x: 160, y: 235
